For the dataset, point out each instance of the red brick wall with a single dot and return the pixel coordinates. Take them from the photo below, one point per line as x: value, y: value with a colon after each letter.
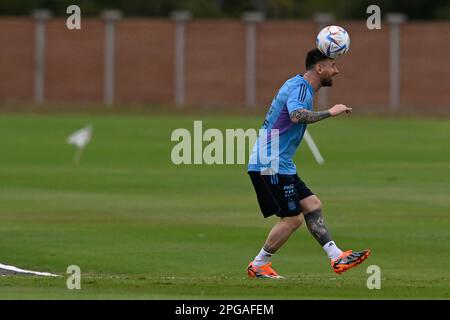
x: 425, y: 65
x: 145, y: 61
x: 16, y: 59
x: 74, y: 62
x: 364, y: 70
x: 215, y: 62
x: 281, y: 49
x: 363, y: 78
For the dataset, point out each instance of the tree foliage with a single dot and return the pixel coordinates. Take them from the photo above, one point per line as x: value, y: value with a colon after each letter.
x: 273, y: 9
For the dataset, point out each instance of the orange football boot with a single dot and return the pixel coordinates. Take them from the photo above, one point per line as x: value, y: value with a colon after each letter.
x: 348, y: 260
x: 264, y: 271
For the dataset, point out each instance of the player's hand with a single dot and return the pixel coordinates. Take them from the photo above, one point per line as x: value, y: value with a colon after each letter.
x: 337, y: 109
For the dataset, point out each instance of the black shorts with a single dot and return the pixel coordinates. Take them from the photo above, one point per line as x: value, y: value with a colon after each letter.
x: 279, y: 194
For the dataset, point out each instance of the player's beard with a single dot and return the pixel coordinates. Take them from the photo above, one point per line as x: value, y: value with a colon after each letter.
x: 326, y: 82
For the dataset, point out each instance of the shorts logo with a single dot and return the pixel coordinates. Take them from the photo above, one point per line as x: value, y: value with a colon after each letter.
x: 291, y: 205
x: 289, y: 190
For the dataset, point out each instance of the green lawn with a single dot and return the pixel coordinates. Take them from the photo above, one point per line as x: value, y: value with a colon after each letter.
x: 140, y: 227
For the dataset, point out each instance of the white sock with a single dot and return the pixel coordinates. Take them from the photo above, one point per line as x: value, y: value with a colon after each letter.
x: 262, y: 258
x: 332, y: 250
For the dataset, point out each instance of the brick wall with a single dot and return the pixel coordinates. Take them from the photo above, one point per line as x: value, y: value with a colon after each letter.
x: 144, y: 61
x: 281, y: 49
x: 364, y: 71
x: 215, y: 62
x: 74, y: 62
x: 16, y: 59
x: 425, y: 65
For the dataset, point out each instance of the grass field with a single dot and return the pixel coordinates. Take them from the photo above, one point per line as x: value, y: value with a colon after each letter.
x: 140, y: 227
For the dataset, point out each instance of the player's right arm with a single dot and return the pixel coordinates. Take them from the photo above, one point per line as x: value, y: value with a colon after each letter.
x: 307, y: 116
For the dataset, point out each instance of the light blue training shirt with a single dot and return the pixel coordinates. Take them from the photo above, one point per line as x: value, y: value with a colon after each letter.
x: 296, y: 93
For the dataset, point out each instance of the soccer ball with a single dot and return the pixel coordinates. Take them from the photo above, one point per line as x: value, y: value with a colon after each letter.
x: 333, y: 41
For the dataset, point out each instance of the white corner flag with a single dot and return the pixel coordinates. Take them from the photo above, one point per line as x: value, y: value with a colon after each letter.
x: 315, y: 151
x: 11, y: 270
x: 80, y: 139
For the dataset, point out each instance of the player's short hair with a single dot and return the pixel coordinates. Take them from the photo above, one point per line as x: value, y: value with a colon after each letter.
x: 313, y: 57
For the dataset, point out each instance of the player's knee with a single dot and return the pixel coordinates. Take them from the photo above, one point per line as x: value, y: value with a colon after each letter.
x: 312, y: 204
x: 317, y: 205
x: 300, y: 220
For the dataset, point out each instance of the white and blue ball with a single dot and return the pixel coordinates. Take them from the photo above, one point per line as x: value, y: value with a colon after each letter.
x: 333, y: 41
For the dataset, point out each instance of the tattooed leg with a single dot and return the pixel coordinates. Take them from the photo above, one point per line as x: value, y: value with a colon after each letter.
x: 317, y: 227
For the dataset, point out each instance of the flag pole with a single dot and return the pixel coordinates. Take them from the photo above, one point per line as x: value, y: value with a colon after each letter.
x: 78, y: 155
x: 315, y: 151
x: 80, y: 139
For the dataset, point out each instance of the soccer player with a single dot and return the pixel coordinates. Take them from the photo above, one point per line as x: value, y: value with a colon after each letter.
x: 282, y: 192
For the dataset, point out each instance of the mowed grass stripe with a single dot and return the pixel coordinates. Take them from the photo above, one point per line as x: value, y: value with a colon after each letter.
x: 142, y: 228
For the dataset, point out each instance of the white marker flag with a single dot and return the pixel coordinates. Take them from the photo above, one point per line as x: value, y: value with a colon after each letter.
x: 315, y: 151
x: 80, y: 138
x: 6, y: 269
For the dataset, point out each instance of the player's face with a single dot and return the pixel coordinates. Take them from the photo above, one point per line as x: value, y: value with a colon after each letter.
x: 327, y: 71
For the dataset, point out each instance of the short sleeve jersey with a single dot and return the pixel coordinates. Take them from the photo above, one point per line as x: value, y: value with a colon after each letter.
x: 296, y: 93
